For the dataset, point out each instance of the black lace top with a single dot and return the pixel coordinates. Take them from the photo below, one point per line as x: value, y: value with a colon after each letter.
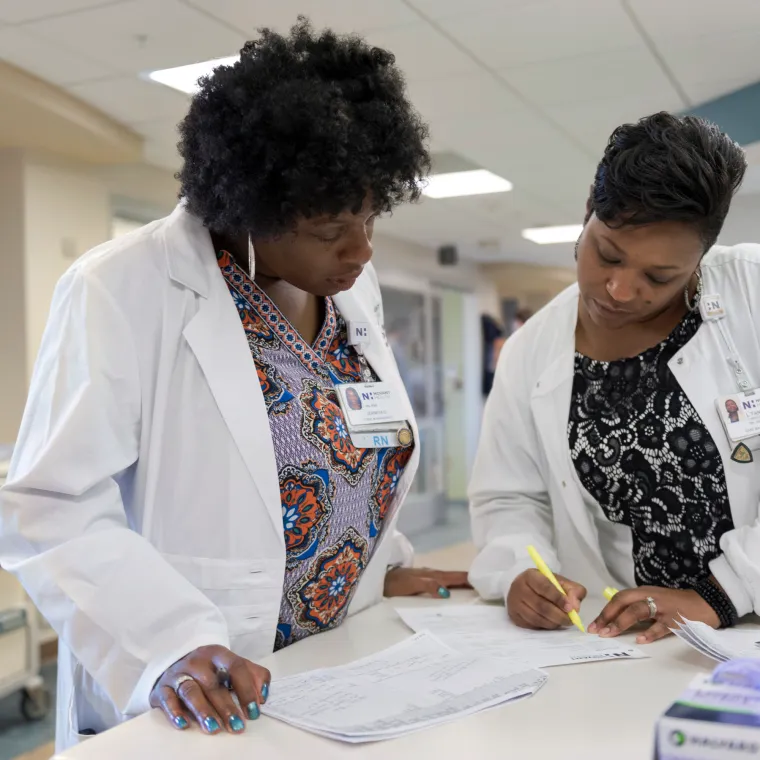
x: 642, y: 452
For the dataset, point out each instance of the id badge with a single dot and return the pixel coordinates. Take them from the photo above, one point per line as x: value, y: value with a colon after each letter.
x: 374, y: 415
x: 740, y: 414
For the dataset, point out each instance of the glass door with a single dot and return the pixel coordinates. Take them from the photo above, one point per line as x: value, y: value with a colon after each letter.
x: 413, y: 326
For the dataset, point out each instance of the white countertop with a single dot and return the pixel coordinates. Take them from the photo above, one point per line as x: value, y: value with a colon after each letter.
x: 584, y: 711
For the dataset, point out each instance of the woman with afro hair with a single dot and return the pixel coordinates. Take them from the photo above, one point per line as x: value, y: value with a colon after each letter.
x: 188, y: 494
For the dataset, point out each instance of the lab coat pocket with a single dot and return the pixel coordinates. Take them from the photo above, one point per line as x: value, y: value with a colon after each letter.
x: 247, y: 593
x: 230, y: 582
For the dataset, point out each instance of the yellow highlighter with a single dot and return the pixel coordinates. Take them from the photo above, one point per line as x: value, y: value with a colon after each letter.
x: 609, y: 592
x: 549, y: 575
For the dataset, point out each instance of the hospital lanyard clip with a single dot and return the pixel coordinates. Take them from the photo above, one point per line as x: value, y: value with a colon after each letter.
x: 358, y: 336
x: 734, y: 360
x: 712, y: 310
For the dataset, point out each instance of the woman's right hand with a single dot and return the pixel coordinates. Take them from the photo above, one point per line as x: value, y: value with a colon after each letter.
x: 200, y: 687
x: 532, y: 601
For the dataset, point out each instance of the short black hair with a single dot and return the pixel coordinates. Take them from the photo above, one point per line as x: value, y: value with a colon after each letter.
x: 304, y: 124
x: 668, y: 168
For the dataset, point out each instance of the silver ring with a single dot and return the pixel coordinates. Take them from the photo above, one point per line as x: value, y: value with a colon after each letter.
x: 652, y: 608
x: 180, y: 680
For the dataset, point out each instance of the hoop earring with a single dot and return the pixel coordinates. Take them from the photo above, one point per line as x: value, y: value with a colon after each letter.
x: 251, y: 259
x: 694, y: 305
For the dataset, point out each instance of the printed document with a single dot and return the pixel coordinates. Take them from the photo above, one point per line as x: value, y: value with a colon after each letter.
x: 414, y: 685
x: 487, y: 630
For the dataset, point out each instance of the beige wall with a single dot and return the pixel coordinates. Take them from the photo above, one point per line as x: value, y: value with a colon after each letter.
x: 13, y: 350
x: 66, y: 212
x: 531, y: 285
x: 397, y: 260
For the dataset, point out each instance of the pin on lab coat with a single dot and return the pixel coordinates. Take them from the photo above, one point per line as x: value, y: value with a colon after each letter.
x: 524, y: 486
x: 142, y: 512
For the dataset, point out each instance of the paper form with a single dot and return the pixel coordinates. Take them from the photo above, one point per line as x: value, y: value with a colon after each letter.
x: 488, y: 631
x: 731, y: 644
x: 413, y: 685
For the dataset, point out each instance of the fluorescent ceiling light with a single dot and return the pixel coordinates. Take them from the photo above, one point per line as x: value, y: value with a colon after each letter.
x: 454, y: 184
x: 185, y: 78
x: 567, y: 233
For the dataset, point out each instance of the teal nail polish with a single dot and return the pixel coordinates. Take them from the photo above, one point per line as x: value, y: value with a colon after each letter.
x: 180, y: 722
x: 444, y: 593
x: 253, y: 711
x: 236, y: 724
x: 211, y: 725
x: 264, y: 692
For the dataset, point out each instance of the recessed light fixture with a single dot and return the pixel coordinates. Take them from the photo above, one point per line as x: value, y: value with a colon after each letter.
x: 565, y: 233
x: 473, y: 182
x: 185, y: 78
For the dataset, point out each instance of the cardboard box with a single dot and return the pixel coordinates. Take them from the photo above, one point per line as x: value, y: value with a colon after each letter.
x: 710, y: 722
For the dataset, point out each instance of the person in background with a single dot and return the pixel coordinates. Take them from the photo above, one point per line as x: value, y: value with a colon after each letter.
x: 184, y: 497
x: 521, y: 317
x: 493, y: 340
x: 604, y: 443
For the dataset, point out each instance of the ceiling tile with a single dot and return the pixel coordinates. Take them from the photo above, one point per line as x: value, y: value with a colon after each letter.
x: 590, y: 77
x: 340, y: 15
x: 141, y: 35
x: 133, y: 100
x: 422, y: 52
x: 543, y: 31
x: 752, y: 152
x: 440, y: 9
x: 505, y: 143
x: 702, y: 92
x: 593, y: 123
x: 47, y: 59
x: 16, y: 12
x: 472, y: 95
x: 666, y: 22
x: 714, y: 59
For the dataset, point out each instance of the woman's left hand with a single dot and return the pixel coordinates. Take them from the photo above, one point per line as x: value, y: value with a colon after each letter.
x: 629, y: 608
x: 410, y: 581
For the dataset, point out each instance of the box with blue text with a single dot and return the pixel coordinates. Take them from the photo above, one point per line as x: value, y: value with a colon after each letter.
x: 711, y: 721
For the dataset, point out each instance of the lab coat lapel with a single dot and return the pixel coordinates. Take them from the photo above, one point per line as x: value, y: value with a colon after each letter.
x: 216, y: 337
x: 550, y: 405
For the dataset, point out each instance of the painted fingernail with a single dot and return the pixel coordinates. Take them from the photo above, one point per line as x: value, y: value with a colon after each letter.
x: 236, y: 724
x: 253, y: 711
x: 180, y: 722
x: 211, y: 725
x: 444, y: 593
x: 265, y: 692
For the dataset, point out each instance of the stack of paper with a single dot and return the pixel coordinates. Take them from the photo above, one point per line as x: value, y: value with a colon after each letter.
x: 487, y: 631
x: 731, y: 644
x: 413, y: 685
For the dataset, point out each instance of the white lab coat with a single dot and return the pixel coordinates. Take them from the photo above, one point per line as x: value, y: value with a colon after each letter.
x: 525, y: 489
x: 142, y: 511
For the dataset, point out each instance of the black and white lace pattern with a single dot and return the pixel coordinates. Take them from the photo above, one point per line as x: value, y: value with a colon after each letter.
x: 641, y: 450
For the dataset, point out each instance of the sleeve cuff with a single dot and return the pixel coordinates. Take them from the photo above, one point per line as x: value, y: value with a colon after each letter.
x: 492, y: 587
x: 140, y: 700
x: 731, y: 585
x: 402, y: 553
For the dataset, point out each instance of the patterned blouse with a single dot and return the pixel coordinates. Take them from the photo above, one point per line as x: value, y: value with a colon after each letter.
x: 334, y: 496
x: 642, y: 452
